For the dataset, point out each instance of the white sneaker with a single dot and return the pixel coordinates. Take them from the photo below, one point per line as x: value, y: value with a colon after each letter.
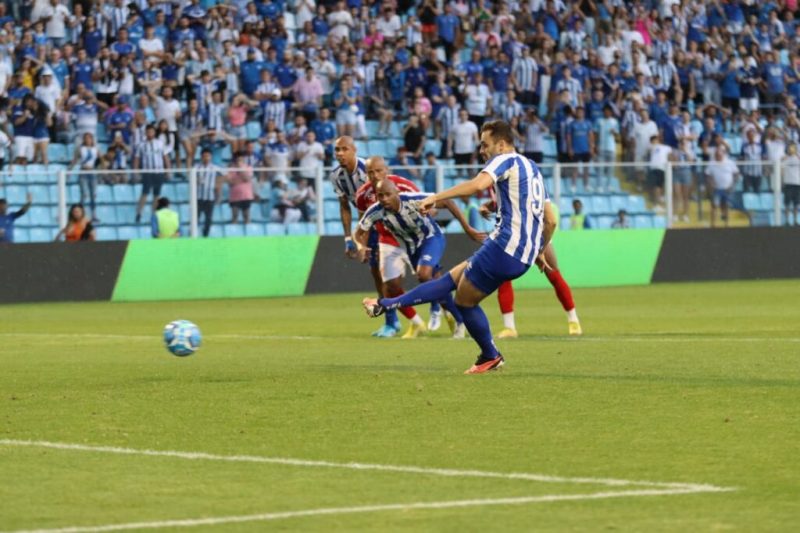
x: 460, y: 331
x: 435, y: 321
x: 589, y: 188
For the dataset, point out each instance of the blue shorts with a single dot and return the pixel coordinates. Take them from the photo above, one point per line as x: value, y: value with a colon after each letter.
x: 429, y: 253
x: 721, y: 197
x: 372, y: 244
x: 490, y: 267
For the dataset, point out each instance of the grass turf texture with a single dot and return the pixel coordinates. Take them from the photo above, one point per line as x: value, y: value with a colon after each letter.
x: 695, y: 383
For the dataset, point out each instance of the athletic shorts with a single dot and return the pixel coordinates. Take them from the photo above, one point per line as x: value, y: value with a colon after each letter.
x: 393, y: 261
x: 491, y: 266
x: 791, y: 195
x: 244, y: 205
x: 23, y: 147
x: 372, y: 244
x: 721, y: 197
x: 152, y: 182
x: 429, y: 253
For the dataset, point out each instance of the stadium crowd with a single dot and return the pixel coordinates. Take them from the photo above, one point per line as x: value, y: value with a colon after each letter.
x: 150, y: 84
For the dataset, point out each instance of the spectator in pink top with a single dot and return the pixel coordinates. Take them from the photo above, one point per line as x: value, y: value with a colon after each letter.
x: 308, y: 94
x: 240, y: 182
x: 421, y: 105
x: 237, y: 119
x: 373, y: 36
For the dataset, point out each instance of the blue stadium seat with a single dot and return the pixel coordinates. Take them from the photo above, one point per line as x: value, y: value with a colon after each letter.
x: 395, y: 129
x: 126, y: 214
x: 181, y: 192
x: 41, y: 216
x: 362, y: 149
x: 183, y: 211
x: 275, y: 229
x: 41, y: 235
x: 333, y: 228
x: 618, y: 202
x: 331, y: 210
x: 636, y: 204
x: 613, y: 186
x: 127, y: 233
x: 642, y: 221
x: 453, y: 227
x: 216, y: 231
x: 564, y: 224
x: 392, y: 145
x: 751, y: 201
x: 57, y: 153
x: 372, y: 128
x: 125, y: 193
x: 603, y: 221
x: 106, y: 233
x: 433, y: 145
x: 255, y: 230
x: 170, y: 190
x: 565, y: 206
x: 300, y: 228
x: 41, y: 194
x: 104, y: 194
x: 15, y: 194
x: 376, y: 147
x: 233, y: 230
x: 550, y: 146
x: 660, y: 221
x: 766, y: 201
x: 600, y: 205
x: 22, y: 234
x: 327, y: 190
x: 108, y: 214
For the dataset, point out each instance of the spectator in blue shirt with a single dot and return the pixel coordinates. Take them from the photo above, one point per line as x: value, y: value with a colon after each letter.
x: 123, y: 46
x: 730, y: 84
x: 119, y: 120
x: 580, y: 139
x: 250, y: 73
x: 775, y: 79
x: 284, y: 73
x: 325, y: 130
x: 416, y: 76
x: 499, y: 81
x: 447, y: 25
x: 7, y: 220
x: 82, y: 71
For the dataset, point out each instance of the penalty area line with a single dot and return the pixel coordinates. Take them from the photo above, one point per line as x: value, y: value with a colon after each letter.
x: 405, y: 469
x: 264, y: 517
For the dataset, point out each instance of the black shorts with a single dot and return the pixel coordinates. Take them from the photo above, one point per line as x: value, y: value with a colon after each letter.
x: 536, y: 157
x: 152, y: 182
x: 655, y: 178
x: 563, y: 157
x: 462, y: 159
x: 581, y: 158
x: 791, y: 195
x: 244, y: 205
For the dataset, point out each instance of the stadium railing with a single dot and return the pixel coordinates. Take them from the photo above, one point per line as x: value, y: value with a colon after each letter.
x: 611, y: 187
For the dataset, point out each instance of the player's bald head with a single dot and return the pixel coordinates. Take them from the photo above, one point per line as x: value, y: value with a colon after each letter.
x: 344, y: 149
x: 387, y: 195
x: 386, y: 186
x: 376, y: 169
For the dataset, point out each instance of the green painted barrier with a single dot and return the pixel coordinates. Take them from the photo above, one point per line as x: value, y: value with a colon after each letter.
x: 182, y: 269
x: 601, y: 258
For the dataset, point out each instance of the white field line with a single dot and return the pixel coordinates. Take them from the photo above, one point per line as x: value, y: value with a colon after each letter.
x: 367, y: 509
x: 612, y: 338
x: 360, y: 466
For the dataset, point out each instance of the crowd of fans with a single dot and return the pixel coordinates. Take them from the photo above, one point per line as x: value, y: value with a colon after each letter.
x: 608, y: 79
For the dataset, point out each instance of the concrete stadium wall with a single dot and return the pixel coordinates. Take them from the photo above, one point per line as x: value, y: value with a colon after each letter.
x: 293, y: 266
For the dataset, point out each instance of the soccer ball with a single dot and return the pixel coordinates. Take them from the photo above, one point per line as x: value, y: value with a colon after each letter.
x: 182, y: 337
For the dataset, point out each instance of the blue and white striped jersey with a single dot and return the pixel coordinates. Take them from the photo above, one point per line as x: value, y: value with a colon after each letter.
x: 408, y: 225
x: 520, y: 196
x: 345, y: 184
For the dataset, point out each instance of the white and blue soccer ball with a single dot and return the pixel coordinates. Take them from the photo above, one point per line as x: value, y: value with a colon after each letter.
x: 182, y: 337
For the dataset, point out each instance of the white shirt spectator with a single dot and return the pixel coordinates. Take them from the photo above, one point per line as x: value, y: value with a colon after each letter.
x: 151, y: 45
x: 311, y: 158
x: 5, y: 72
x: 791, y: 170
x: 477, y: 99
x: 340, y: 22
x: 775, y: 149
x: 48, y: 94
x: 389, y: 28
x: 642, y: 132
x: 659, y: 156
x: 464, y: 135
x: 722, y: 173
x: 166, y: 110
x: 606, y: 53
x: 56, y: 27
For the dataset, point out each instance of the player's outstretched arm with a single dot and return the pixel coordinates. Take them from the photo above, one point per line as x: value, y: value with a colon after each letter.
x: 468, y: 188
x: 361, y: 238
x: 474, y: 234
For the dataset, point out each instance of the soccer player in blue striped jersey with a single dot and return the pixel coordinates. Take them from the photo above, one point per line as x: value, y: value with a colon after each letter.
x: 347, y: 178
x: 524, y: 225
x: 417, y: 232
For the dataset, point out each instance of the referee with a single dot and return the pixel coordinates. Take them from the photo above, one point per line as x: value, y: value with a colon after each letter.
x: 209, y: 187
x: 151, y: 157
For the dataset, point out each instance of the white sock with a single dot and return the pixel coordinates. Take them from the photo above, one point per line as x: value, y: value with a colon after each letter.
x: 572, y: 315
x: 508, y: 320
x: 417, y: 321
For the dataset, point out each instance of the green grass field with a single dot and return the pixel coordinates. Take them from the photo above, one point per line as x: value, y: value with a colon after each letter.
x: 672, y: 386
